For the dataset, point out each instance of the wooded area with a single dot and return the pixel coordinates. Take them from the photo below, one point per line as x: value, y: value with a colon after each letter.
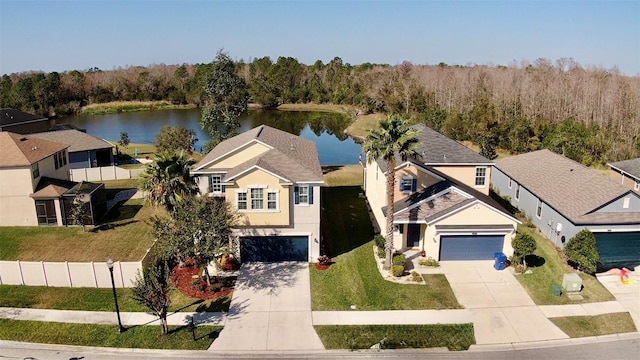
x: 589, y: 114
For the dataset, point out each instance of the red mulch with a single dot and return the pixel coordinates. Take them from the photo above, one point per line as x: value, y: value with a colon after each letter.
x: 322, y: 267
x: 183, y: 280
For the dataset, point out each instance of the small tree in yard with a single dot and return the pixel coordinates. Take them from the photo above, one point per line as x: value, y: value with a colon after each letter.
x: 124, y: 139
x: 582, y: 251
x: 152, y: 289
x: 175, y: 138
x: 523, y: 245
x: 79, y: 212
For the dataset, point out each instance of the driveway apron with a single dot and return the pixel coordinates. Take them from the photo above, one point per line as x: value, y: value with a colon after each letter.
x: 503, y: 311
x: 270, y: 310
x: 627, y: 295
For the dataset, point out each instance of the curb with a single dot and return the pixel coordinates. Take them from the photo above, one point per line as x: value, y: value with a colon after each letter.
x: 554, y: 343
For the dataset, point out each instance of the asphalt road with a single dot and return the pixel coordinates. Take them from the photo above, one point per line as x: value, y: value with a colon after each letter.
x: 610, y: 350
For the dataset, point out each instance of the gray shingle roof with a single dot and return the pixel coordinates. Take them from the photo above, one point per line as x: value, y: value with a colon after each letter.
x: 12, y: 117
x: 631, y: 167
x: 437, y: 149
x: 77, y: 140
x: 569, y: 187
x: 291, y: 156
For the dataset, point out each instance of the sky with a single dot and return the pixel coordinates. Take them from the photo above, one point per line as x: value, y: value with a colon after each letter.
x: 67, y: 35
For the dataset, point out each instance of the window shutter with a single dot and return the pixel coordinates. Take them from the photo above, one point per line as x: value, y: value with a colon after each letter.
x: 224, y: 188
x: 400, y: 185
x: 414, y: 184
x: 296, y: 195
x: 310, y: 194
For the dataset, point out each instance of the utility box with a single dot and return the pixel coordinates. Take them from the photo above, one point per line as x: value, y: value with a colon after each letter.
x: 572, y: 282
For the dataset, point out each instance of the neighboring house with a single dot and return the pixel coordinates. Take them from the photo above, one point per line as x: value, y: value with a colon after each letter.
x: 19, y: 122
x: 442, y: 204
x: 85, y: 151
x: 627, y: 173
x: 563, y: 197
x: 272, y: 178
x: 34, y: 183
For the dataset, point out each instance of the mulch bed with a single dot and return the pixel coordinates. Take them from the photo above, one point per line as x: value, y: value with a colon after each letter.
x: 184, y: 279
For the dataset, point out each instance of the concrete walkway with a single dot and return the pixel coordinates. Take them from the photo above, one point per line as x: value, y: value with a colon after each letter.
x: 392, y: 317
x: 270, y: 310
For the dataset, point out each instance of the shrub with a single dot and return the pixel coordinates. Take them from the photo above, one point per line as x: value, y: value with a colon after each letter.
x: 416, y: 277
x: 523, y: 244
x: 382, y: 253
x: 397, y: 270
x: 430, y: 262
x: 582, y: 252
x: 399, y: 259
x: 380, y: 241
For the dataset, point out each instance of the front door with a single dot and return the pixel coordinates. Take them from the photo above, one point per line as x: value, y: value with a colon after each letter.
x: 413, y: 235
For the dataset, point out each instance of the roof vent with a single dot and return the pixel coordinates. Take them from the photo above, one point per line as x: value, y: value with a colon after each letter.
x: 23, y: 139
x: 444, y: 156
x: 34, y: 148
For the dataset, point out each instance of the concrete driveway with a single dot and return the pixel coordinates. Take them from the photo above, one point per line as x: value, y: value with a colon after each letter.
x: 270, y: 310
x: 502, y: 310
x: 627, y: 295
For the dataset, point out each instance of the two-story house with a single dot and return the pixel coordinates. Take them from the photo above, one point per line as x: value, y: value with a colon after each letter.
x: 272, y: 178
x: 442, y: 204
x: 563, y: 197
x: 34, y: 183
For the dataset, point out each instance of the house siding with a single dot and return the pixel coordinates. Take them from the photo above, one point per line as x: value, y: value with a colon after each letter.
x: 466, y: 174
x: 16, y: 207
x: 624, y: 179
x: 617, y: 206
x: 261, y: 218
x: 423, y: 180
x: 239, y: 156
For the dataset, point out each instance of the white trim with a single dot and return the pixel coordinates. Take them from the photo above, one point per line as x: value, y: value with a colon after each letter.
x: 277, y: 200
x: 484, y: 177
x: 636, y: 186
x: 409, y: 222
x: 477, y: 201
x: 257, y: 186
x: 421, y: 168
x: 611, y: 230
x: 510, y: 183
x: 277, y: 233
x: 461, y: 164
x: 471, y: 233
x: 246, y: 200
x: 258, y: 167
x: 622, y: 172
x: 209, y: 172
x: 306, y: 203
x: 310, y: 182
x: 241, y: 147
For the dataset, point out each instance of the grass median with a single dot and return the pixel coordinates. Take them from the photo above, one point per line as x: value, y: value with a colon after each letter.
x: 452, y: 336
x: 147, y: 337
x: 605, y: 324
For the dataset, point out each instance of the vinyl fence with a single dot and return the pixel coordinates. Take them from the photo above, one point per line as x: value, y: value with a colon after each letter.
x: 104, y: 173
x: 68, y: 274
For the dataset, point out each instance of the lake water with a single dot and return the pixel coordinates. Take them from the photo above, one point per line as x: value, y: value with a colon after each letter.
x: 325, y: 129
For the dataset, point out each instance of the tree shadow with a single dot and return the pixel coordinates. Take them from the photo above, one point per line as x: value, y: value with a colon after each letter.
x: 331, y: 168
x: 534, y: 260
x: 502, y: 201
x: 345, y: 220
x: 111, y: 226
x: 122, y: 212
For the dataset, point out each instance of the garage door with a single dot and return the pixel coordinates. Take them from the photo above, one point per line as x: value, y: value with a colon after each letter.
x: 274, y: 248
x: 470, y: 247
x: 619, y: 249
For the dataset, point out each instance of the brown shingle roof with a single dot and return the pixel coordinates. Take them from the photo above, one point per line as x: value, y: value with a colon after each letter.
x: 24, y: 150
x: 52, y: 188
x: 569, y: 187
x: 77, y: 140
x: 291, y: 156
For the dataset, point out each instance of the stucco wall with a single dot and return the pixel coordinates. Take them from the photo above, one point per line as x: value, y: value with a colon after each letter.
x: 375, y: 190
x: 423, y: 180
x: 466, y: 174
x: 261, y: 217
x: 239, y: 156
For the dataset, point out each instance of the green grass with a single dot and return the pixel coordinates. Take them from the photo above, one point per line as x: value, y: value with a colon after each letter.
x: 143, y: 149
x: 130, y: 106
x: 343, y: 175
x: 92, y: 299
x: 126, y: 238
x: 148, y: 337
x: 363, y: 123
x: 455, y: 337
x: 581, y: 326
x: 538, y: 284
x: 122, y: 184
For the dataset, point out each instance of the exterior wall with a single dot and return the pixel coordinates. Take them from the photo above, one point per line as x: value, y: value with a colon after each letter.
x: 240, y: 155
x: 47, y: 168
x: 624, y: 179
x: 375, y: 190
x: 16, y: 207
x: 618, y: 205
x: 466, y: 174
x: 423, y: 180
x: 262, y: 217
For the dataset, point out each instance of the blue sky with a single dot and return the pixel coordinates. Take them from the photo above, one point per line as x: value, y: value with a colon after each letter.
x: 66, y: 35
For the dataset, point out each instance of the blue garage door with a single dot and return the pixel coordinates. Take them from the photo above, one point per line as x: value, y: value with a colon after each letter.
x: 619, y: 249
x: 470, y: 247
x: 274, y: 248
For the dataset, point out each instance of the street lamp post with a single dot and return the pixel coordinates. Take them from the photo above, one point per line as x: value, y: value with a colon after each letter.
x: 115, y: 296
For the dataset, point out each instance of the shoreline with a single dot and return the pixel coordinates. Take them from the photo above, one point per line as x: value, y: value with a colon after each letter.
x: 131, y: 106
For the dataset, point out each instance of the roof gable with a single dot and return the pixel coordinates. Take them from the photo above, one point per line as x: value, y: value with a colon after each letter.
x: 24, y: 150
x: 77, y: 140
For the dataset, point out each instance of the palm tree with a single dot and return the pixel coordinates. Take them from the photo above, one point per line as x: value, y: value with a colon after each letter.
x: 394, y: 137
x: 168, y: 179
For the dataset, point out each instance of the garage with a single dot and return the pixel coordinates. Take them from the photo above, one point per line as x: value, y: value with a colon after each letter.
x: 274, y: 248
x: 470, y: 247
x: 619, y: 248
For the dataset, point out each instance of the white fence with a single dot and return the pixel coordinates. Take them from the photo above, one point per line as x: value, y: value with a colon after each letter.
x: 104, y: 173
x: 68, y: 274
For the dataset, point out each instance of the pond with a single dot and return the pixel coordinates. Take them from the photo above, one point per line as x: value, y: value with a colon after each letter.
x: 325, y: 129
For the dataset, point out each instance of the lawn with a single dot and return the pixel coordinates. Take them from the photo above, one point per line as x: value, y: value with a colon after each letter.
x: 92, y: 299
x: 454, y: 337
x: 581, y: 326
x: 126, y: 237
x: 538, y: 284
x: 148, y: 337
x: 343, y: 175
x: 363, y: 123
x: 143, y: 149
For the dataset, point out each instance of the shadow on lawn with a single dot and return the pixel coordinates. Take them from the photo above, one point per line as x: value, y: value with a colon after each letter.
x: 122, y: 212
x: 331, y: 168
x: 345, y: 220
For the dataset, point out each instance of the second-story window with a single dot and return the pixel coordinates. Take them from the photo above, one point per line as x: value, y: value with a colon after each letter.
x: 215, y: 184
x: 242, y: 200
x: 257, y: 199
x: 481, y: 176
x: 304, y: 194
x: 55, y: 161
x: 272, y: 200
x: 35, y: 170
x: 408, y: 184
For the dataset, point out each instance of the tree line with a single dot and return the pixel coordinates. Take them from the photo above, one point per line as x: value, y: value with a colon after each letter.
x: 589, y: 114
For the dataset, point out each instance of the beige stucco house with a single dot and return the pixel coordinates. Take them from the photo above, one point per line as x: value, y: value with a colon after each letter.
x: 442, y: 203
x: 272, y: 178
x: 34, y: 183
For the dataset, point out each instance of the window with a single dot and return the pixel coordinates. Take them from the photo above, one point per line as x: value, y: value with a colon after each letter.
x: 517, y: 191
x: 272, y: 200
x: 625, y: 203
x: 215, y: 184
x: 35, y: 170
x: 407, y: 184
x: 242, y: 200
x: 510, y: 183
x: 257, y: 200
x: 64, y: 157
x: 481, y: 176
x: 636, y: 187
x: 539, y: 209
x: 303, y: 192
x: 60, y: 157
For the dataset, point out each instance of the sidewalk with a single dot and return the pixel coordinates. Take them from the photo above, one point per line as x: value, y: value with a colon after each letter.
x: 109, y: 317
x: 392, y: 317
